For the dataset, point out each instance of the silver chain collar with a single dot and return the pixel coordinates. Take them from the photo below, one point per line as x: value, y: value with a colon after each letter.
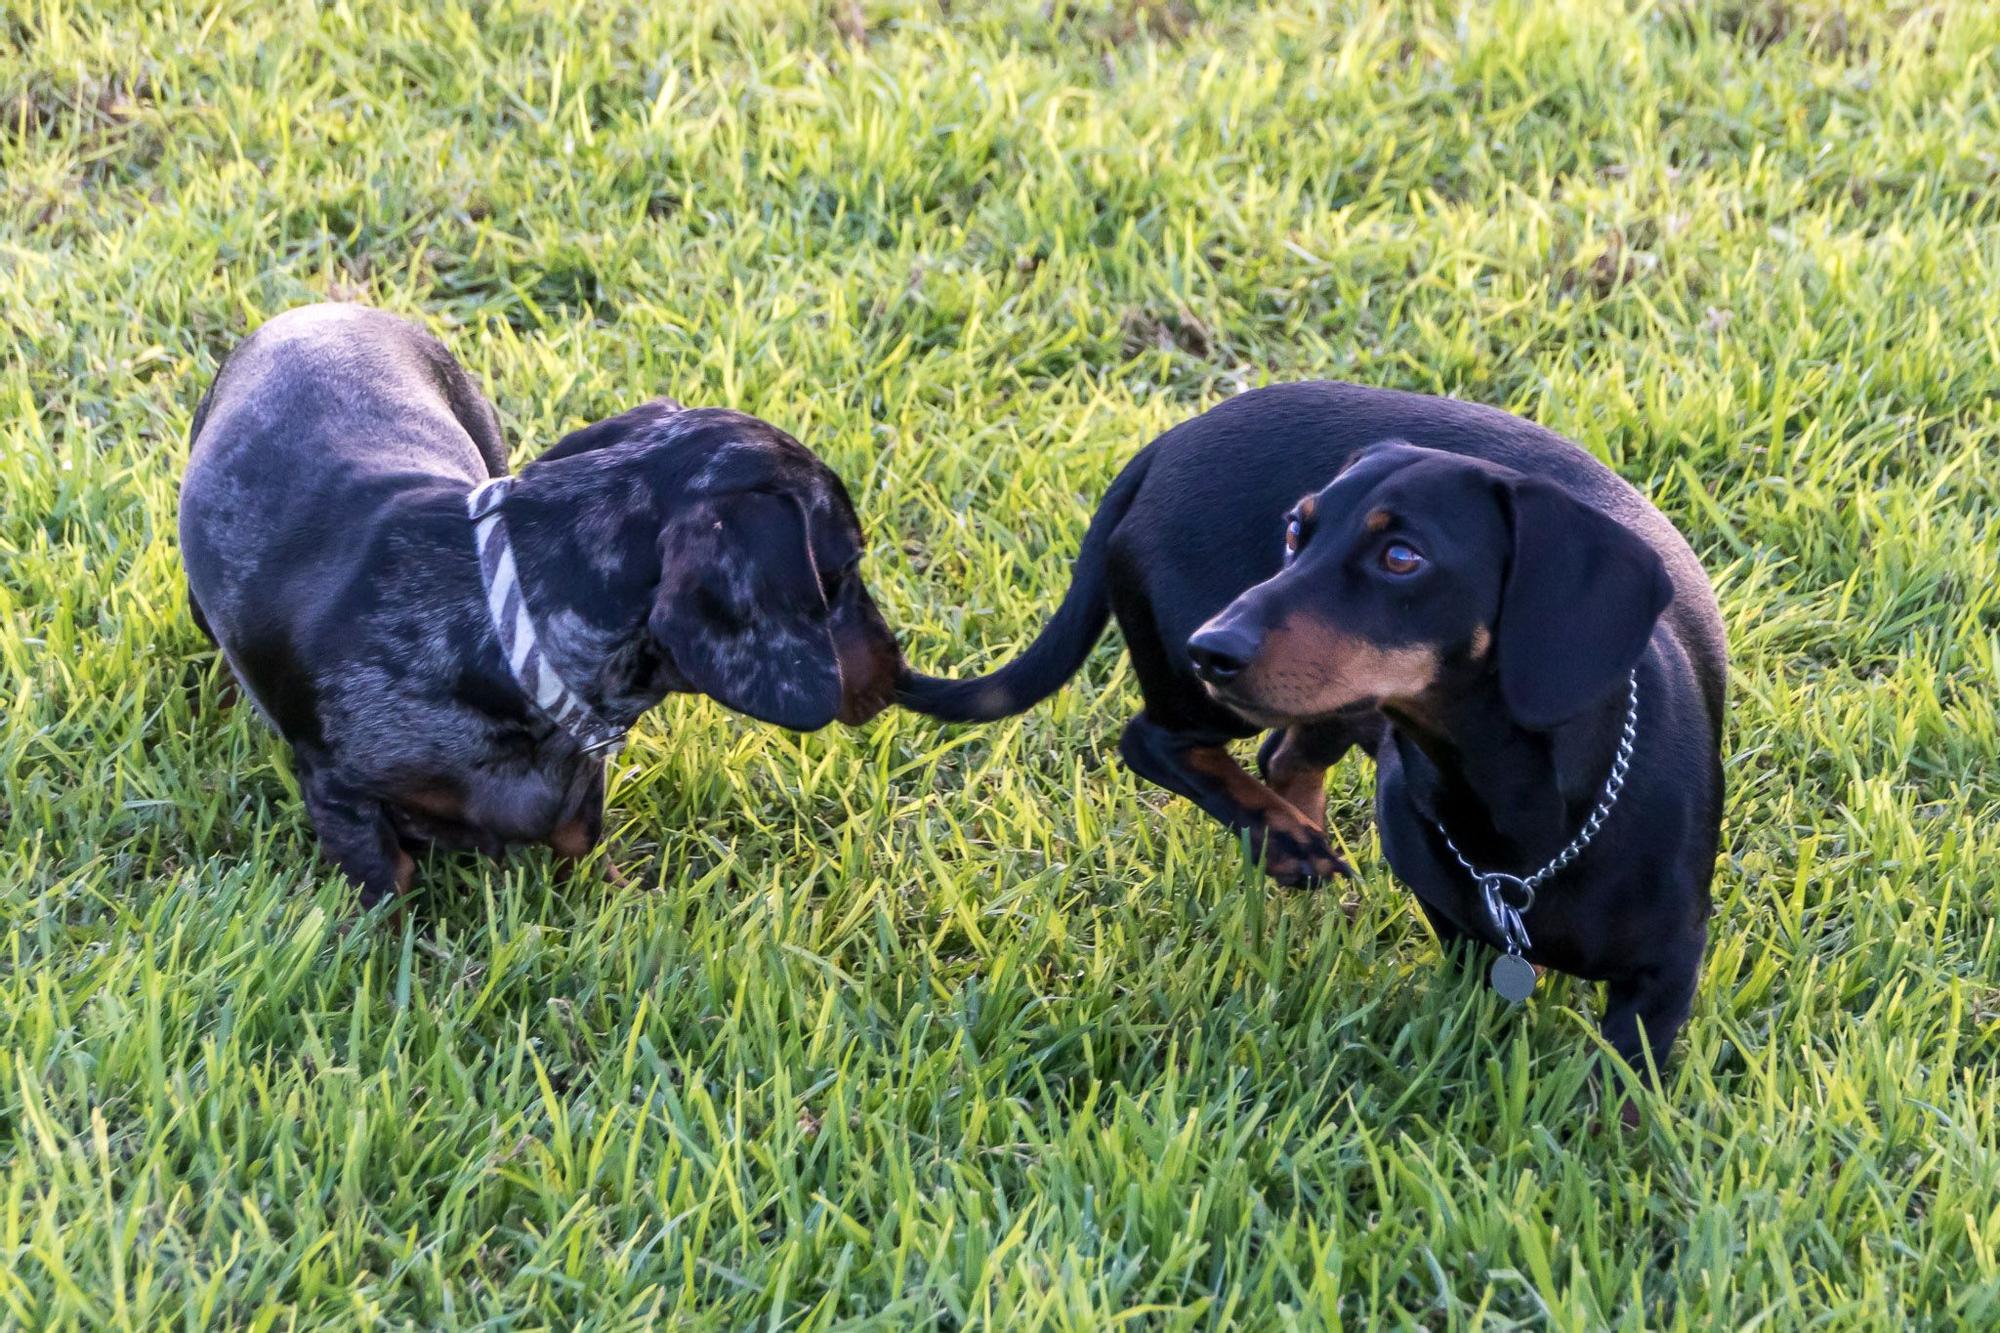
x: 1512, y: 975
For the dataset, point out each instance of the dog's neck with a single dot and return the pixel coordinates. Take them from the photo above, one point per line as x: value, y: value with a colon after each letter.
x: 585, y: 535
x: 1511, y: 798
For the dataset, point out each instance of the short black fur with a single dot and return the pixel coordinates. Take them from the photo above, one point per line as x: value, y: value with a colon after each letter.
x: 1469, y: 594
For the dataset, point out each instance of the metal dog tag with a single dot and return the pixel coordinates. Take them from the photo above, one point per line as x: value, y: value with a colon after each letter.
x: 1513, y: 977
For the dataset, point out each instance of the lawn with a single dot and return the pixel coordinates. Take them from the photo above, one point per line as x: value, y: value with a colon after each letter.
x: 918, y: 1026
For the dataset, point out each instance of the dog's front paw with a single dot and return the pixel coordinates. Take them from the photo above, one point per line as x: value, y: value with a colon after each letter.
x: 1302, y: 859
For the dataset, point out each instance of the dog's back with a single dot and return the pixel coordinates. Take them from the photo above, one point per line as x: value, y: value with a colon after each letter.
x: 313, y: 422
x: 1257, y: 453
x: 1197, y: 515
x: 344, y: 386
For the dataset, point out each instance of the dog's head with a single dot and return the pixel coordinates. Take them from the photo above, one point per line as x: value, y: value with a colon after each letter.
x: 760, y: 603
x: 1416, y: 571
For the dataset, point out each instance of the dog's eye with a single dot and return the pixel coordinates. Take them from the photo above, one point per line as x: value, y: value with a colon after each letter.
x: 1293, y: 533
x: 1401, y: 558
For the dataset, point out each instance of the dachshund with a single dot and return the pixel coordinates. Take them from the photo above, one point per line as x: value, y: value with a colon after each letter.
x: 450, y: 651
x: 1527, y: 648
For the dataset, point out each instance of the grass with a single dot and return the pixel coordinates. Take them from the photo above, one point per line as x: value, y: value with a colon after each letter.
x: 923, y: 1027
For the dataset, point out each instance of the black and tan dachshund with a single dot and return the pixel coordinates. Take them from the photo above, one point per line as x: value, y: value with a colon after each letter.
x: 450, y: 655
x: 1473, y: 600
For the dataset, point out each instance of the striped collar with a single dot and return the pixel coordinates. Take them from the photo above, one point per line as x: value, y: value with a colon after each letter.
x: 508, y: 606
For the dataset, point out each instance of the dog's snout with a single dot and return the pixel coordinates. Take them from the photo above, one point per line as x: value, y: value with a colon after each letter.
x: 1220, y: 652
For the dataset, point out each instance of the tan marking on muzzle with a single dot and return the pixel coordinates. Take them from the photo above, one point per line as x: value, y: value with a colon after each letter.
x: 1482, y: 642
x: 1307, y: 669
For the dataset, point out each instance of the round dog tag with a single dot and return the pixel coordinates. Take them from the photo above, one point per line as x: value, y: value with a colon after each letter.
x: 1513, y: 976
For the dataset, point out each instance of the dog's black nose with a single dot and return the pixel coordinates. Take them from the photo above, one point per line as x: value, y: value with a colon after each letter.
x: 1220, y: 652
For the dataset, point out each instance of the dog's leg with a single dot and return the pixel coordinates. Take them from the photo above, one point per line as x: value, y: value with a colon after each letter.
x: 1458, y: 948
x: 1293, y: 760
x: 228, y: 692
x: 357, y: 833
x: 1292, y: 850
x: 1644, y: 1012
x: 578, y: 835
x: 200, y: 619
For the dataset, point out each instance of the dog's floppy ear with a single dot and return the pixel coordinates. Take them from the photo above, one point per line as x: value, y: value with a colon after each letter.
x: 741, y: 612
x: 1582, y: 594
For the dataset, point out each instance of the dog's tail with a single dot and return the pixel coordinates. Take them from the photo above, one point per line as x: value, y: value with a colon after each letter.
x: 1058, y: 650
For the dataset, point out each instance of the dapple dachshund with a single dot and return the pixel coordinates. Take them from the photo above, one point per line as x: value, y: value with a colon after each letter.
x: 1524, y: 644
x: 449, y: 651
